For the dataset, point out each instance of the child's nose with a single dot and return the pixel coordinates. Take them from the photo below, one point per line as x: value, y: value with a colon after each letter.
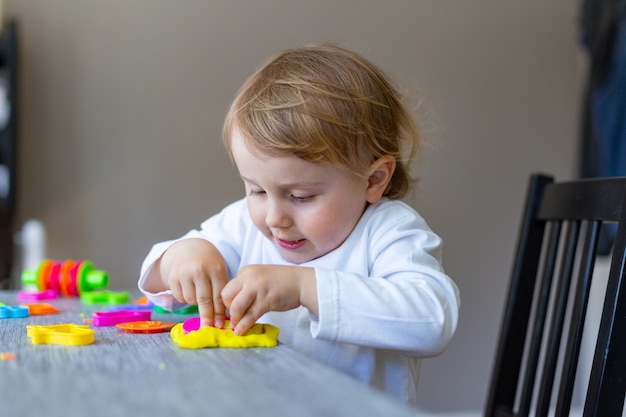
x: 277, y: 217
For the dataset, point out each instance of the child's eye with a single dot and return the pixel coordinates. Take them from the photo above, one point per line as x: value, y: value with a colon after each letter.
x: 257, y: 192
x: 299, y: 199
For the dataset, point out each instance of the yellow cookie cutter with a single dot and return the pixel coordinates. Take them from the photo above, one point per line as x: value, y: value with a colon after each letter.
x: 260, y: 335
x: 61, y: 334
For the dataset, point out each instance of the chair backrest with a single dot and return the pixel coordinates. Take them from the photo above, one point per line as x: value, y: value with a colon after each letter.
x: 540, y: 338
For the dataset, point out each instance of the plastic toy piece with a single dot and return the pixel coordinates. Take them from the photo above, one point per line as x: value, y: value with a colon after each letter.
x: 7, y: 356
x: 28, y: 296
x: 34, y: 280
x: 38, y: 309
x: 105, y: 297
x: 131, y: 307
x: 70, y: 278
x: 13, y: 312
x: 65, y: 279
x: 187, y: 310
x: 89, y: 278
x: 140, y: 304
x: 61, y: 334
x: 111, y: 318
x: 260, y: 335
x: 142, y: 301
x: 146, y: 326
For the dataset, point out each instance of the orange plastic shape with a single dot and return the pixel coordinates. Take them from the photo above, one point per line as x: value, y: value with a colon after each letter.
x: 44, y: 271
x: 141, y: 301
x: 147, y: 326
x: 65, y: 280
x: 36, y: 309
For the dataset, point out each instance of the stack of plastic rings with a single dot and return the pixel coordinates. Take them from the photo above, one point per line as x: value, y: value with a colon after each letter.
x: 69, y: 278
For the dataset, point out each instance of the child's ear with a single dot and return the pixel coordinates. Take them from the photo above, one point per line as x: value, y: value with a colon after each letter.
x: 380, y: 173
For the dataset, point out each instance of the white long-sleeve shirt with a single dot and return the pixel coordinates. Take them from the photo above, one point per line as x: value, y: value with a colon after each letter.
x: 384, y: 300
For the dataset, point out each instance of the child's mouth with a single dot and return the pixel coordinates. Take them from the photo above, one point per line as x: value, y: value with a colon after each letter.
x: 290, y: 244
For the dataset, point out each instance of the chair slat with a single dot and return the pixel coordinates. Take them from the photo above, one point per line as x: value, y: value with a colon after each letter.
x: 581, y: 299
x: 518, y: 307
x: 607, y: 383
x: 558, y: 318
x: 541, y: 311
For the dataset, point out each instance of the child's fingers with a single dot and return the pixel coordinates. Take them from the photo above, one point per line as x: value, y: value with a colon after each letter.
x: 245, y: 323
x: 229, y: 292
x: 188, y: 290
x: 177, y: 292
x: 245, y: 306
x: 219, y: 309
x: 206, y: 308
x: 243, y: 311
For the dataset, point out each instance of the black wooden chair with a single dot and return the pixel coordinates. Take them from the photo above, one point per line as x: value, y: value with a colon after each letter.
x: 6, y: 247
x: 539, y: 347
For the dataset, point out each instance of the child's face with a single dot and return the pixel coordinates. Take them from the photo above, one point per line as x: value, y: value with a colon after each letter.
x: 306, y: 209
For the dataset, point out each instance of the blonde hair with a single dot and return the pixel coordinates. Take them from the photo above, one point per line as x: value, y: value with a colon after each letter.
x: 325, y: 104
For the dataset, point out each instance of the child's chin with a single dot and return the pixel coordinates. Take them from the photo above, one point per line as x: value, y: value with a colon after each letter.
x: 295, y: 258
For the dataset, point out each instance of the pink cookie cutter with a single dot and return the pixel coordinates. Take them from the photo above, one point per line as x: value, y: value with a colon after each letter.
x: 28, y: 296
x: 111, y: 318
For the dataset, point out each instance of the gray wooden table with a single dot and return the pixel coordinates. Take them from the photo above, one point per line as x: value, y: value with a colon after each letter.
x: 124, y: 374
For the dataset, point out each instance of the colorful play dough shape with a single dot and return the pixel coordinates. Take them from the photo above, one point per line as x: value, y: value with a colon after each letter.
x: 105, y: 297
x: 260, y: 335
x: 191, y: 324
x: 146, y: 326
x: 39, y: 309
x: 61, y: 334
x: 13, y: 312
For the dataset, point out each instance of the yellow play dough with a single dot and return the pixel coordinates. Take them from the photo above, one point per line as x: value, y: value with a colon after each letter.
x: 260, y: 335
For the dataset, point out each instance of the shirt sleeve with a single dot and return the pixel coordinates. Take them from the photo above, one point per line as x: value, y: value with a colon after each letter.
x: 162, y: 299
x: 405, y: 302
x: 226, y: 230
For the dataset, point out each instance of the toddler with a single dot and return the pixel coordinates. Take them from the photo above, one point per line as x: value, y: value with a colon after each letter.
x: 321, y: 246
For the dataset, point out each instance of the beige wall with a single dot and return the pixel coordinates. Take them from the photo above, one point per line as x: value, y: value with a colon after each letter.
x: 122, y: 103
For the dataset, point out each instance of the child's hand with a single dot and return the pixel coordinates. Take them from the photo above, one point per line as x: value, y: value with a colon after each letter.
x: 195, y: 272
x: 258, y: 289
